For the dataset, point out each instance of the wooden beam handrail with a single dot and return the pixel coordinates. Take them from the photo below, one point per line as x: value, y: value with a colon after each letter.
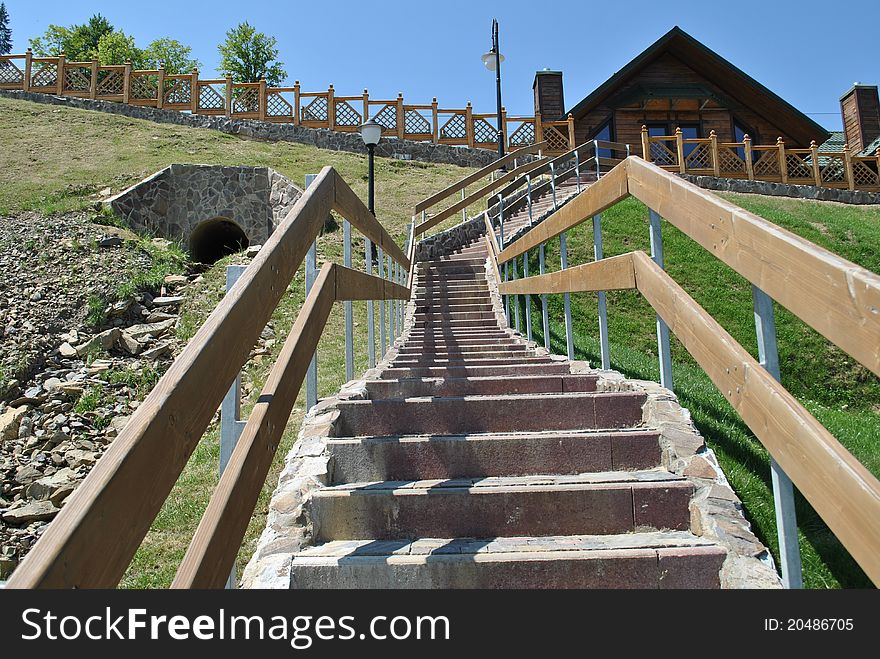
x: 841, y: 490
x: 476, y: 196
x: 125, y: 491
x: 476, y: 176
x: 214, y: 547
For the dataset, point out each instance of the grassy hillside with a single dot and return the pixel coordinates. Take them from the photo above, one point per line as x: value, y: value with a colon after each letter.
x: 843, y: 395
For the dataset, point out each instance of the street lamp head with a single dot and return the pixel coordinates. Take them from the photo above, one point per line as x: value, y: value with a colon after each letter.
x: 371, y: 132
x: 489, y: 60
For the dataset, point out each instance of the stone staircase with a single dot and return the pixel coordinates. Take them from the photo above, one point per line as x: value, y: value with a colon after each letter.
x: 541, y: 206
x: 475, y: 460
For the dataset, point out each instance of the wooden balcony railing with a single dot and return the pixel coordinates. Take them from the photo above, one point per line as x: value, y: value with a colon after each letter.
x: 762, y: 162
x: 292, y: 105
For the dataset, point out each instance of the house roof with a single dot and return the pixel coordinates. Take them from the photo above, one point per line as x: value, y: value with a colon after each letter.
x: 838, y: 139
x: 745, y: 90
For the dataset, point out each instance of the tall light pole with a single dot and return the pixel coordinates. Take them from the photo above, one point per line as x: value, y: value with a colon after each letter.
x: 493, y: 60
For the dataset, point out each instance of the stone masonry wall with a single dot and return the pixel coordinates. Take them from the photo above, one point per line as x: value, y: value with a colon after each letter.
x: 263, y: 130
x: 177, y: 199
x: 783, y: 189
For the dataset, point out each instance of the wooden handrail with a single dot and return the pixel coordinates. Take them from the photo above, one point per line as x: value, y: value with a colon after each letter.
x: 92, y: 540
x: 841, y: 490
x: 476, y: 176
x: 476, y: 196
x: 214, y: 547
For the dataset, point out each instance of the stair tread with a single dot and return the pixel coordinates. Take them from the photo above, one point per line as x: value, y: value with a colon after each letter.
x: 493, y: 436
x: 490, y: 484
x: 420, y: 548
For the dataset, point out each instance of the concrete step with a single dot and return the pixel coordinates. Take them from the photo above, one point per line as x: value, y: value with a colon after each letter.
x: 515, y: 413
x: 435, y: 314
x: 489, y: 353
x: 480, y: 386
x: 450, y: 306
x: 598, y: 503
x: 436, y: 349
x: 545, y: 367
x: 421, y: 457
x: 404, y: 361
x: 418, y: 336
x: 646, y: 560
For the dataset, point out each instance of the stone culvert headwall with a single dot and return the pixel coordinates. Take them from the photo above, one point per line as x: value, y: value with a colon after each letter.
x: 195, y: 203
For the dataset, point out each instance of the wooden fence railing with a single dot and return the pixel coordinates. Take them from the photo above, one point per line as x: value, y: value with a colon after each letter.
x: 93, y: 539
x: 256, y: 100
x: 762, y: 162
x: 835, y: 297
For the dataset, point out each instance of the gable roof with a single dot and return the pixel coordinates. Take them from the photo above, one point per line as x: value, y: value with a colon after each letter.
x: 735, y: 84
x: 838, y: 139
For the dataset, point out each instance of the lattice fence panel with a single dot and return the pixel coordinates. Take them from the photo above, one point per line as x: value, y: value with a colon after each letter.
x: 77, y: 79
x: 10, y: 74
x: 110, y: 83
x: 523, y: 136
x: 767, y: 164
x: 700, y: 157
x: 729, y: 161
x: 316, y: 110
x: 455, y: 128
x: 211, y: 99
x: 832, y: 169
x: 799, y: 167
x: 346, y: 115
x: 416, y: 124
x: 863, y: 175
x: 662, y: 155
x: 387, y: 117
x: 246, y: 101
x: 556, y: 141
x: 144, y: 88
x: 178, y: 92
x: 44, y: 75
x: 484, y: 132
x: 278, y: 106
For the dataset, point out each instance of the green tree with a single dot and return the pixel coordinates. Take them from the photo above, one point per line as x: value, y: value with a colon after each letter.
x: 77, y: 42
x: 176, y: 57
x: 5, y: 32
x: 251, y: 56
x: 119, y: 48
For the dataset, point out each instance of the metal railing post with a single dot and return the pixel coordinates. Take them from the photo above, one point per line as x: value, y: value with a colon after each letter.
x: 349, y: 313
x: 311, y: 276
x: 545, y: 313
x: 553, y: 185
x: 528, y: 299
x: 577, y: 169
x: 501, y: 219
x: 605, y: 352
x: 529, y: 195
x: 383, y: 343
x: 507, y: 297
x: 371, y: 318
x: 566, y: 297
x: 463, y: 210
x: 663, y: 351
x: 783, y: 490
x: 515, y: 297
x: 596, y: 156
x: 392, y: 321
x: 231, y: 424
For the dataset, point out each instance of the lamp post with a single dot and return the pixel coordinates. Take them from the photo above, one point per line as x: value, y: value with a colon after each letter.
x: 371, y: 133
x: 493, y: 60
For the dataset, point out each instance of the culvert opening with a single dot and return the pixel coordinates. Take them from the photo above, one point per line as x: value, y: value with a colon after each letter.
x: 214, y: 239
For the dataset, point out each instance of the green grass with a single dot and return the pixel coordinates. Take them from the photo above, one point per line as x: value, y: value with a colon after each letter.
x: 844, y: 396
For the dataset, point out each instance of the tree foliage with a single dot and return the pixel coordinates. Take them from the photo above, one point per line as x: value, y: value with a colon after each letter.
x: 176, y: 57
x: 79, y: 43
x: 251, y: 56
x: 5, y: 32
x: 119, y: 48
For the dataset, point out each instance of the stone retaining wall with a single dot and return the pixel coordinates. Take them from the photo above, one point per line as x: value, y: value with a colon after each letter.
x: 783, y: 189
x: 263, y: 130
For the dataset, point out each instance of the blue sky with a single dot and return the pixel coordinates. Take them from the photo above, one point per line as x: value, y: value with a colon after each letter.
x: 427, y: 49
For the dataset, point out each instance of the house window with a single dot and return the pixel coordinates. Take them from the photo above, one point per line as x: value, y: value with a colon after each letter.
x: 689, y: 132
x: 740, y: 130
x: 604, y: 134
